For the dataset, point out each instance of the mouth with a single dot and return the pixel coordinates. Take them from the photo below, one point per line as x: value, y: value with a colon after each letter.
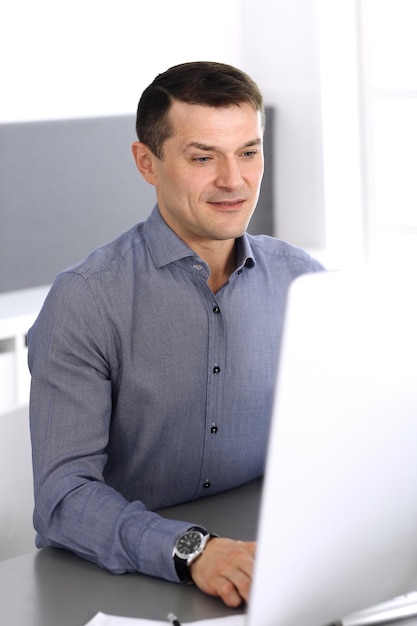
x: 227, y: 205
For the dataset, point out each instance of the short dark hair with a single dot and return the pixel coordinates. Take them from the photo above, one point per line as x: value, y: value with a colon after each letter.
x: 200, y: 82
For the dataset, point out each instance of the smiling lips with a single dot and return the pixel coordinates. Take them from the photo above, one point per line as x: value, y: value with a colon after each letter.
x: 227, y: 204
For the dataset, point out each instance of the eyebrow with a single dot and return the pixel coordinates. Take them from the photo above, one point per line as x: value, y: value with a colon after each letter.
x: 208, y: 147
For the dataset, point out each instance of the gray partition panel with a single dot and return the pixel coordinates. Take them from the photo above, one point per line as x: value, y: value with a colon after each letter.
x: 69, y: 186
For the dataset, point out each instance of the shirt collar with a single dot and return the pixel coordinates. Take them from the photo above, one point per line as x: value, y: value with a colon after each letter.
x: 166, y: 247
x: 245, y: 255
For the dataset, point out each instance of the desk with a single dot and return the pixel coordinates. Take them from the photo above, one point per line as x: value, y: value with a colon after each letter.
x: 53, y: 587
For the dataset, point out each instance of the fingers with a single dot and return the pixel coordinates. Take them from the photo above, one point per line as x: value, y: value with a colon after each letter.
x: 231, y: 594
x: 225, y: 569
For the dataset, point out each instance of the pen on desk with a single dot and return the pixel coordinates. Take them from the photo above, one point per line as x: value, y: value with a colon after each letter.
x: 174, y: 619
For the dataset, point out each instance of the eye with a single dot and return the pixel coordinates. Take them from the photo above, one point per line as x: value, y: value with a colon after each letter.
x: 249, y: 154
x: 201, y: 159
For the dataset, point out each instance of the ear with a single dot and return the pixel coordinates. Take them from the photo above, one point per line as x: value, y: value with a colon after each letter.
x: 144, y: 160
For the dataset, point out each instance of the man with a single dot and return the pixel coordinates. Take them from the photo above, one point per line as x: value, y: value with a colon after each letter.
x: 154, y: 360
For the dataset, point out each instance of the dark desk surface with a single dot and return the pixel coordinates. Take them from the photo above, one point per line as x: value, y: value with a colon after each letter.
x: 56, y: 588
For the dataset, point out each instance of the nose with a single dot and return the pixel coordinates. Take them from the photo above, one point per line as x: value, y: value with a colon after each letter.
x: 229, y: 175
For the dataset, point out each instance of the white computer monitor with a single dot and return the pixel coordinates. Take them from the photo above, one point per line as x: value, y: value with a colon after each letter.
x: 338, y: 520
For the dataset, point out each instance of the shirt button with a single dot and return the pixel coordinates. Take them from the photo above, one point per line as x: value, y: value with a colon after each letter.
x: 214, y: 429
x: 216, y: 309
x: 207, y: 484
x: 216, y: 369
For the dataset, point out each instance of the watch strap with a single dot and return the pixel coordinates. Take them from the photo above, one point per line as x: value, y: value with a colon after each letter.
x: 182, y: 565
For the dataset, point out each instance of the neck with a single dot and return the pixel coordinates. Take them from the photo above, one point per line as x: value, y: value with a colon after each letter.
x: 222, y: 262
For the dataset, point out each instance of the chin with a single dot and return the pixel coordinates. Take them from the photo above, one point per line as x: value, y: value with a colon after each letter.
x: 234, y: 228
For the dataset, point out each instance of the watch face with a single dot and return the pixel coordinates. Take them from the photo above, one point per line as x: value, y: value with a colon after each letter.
x: 189, y: 542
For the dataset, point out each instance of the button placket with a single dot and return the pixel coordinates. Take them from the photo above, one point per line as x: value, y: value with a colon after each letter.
x: 216, y: 356
x: 216, y: 311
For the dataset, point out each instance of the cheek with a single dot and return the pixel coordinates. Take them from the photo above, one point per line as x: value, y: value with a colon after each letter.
x: 174, y: 184
x: 194, y: 185
x: 256, y: 178
x: 181, y: 176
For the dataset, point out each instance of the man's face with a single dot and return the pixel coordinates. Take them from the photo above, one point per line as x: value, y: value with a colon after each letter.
x: 208, y: 180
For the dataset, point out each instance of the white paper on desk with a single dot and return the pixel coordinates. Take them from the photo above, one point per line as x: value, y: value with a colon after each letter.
x: 101, y: 619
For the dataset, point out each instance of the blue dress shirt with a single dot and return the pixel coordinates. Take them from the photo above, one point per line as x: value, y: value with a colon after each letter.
x: 148, y: 390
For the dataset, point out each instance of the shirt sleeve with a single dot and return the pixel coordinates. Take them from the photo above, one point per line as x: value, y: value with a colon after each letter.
x: 70, y: 415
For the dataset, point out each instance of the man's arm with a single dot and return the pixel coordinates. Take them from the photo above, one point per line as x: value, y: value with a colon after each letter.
x: 70, y: 413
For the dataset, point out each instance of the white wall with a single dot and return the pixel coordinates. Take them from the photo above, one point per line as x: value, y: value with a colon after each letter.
x: 281, y: 51
x: 95, y: 57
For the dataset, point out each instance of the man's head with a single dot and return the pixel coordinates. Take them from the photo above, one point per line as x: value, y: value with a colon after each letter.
x: 203, y: 83
x: 200, y: 128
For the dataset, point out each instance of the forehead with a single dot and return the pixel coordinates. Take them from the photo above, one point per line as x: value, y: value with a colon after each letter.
x: 194, y: 122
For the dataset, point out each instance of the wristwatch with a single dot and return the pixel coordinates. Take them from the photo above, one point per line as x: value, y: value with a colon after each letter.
x: 187, y: 548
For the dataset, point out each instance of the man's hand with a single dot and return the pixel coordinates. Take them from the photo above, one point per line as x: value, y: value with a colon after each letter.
x: 225, y: 569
